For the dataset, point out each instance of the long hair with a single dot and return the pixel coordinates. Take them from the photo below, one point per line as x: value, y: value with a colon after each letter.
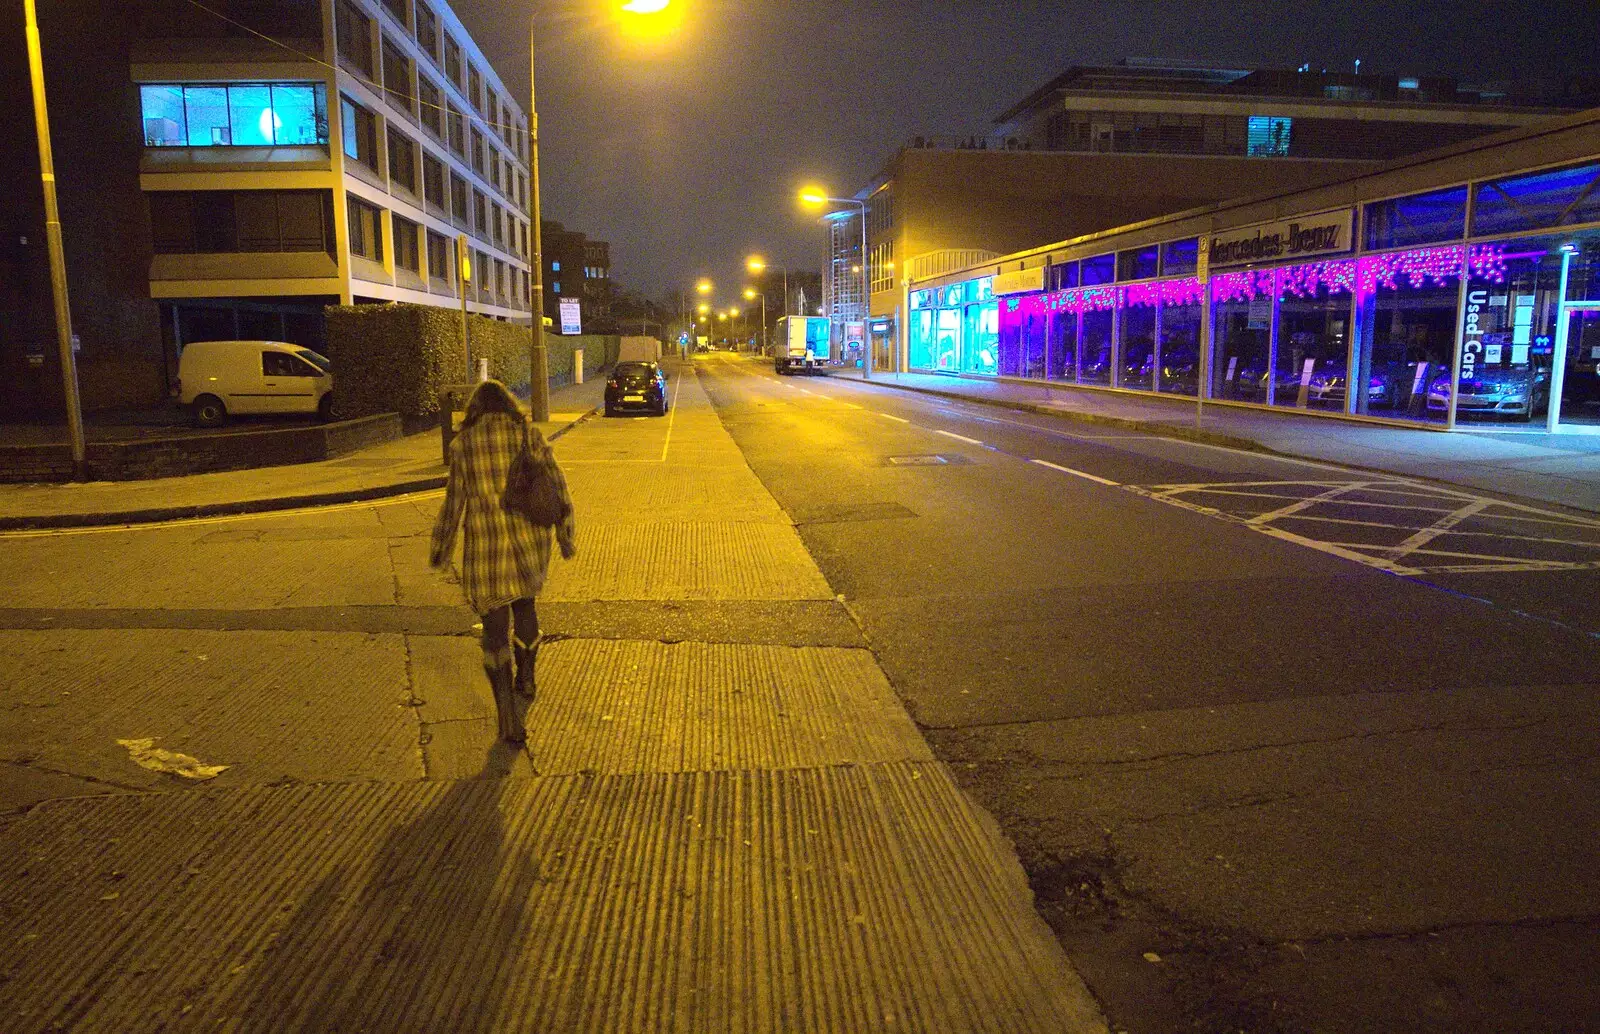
x: 491, y: 397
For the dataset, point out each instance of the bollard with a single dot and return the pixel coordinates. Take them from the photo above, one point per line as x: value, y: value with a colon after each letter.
x: 483, y: 370
x: 577, y: 366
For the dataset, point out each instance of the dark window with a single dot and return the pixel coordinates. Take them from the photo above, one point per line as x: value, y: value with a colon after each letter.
x: 354, y: 31
x: 360, y: 134
x: 433, y: 181
x: 1102, y: 269
x: 430, y: 106
x: 475, y: 87
x: 497, y: 224
x: 1138, y: 264
x: 458, y: 199
x: 402, y: 161
x: 1557, y: 197
x: 226, y: 221
x: 439, y: 253
x: 480, y: 214
x: 457, y: 128
x: 405, y: 243
x: 428, y: 29
x: 366, y: 232
x: 452, y: 59
x: 1180, y: 257
x: 396, y: 77
x: 1440, y: 215
x: 398, y: 8
x: 477, y: 150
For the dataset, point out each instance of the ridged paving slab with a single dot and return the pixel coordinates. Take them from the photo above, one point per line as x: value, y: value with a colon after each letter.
x: 680, y: 560
x: 618, y: 706
x: 853, y: 899
x: 614, y: 493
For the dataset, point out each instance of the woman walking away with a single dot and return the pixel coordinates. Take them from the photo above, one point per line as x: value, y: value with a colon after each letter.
x: 506, y: 555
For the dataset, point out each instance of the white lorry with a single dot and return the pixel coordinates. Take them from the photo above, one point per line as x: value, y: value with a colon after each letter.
x: 802, y: 345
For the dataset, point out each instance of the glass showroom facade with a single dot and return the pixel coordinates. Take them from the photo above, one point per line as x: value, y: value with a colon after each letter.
x: 1473, y: 303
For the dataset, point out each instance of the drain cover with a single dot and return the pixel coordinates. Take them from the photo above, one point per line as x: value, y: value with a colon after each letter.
x: 929, y: 460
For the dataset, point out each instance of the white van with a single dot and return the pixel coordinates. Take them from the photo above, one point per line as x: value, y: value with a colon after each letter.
x: 219, y: 378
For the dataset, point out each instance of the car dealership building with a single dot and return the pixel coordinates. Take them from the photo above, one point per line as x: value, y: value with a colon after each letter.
x: 1476, y: 265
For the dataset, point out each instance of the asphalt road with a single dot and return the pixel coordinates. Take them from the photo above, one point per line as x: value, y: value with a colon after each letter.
x: 1283, y: 746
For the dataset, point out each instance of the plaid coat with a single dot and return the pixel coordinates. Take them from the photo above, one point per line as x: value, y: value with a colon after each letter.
x: 506, y: 555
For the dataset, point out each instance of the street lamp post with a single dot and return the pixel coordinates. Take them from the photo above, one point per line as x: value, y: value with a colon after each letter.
x: 750, y: 294
x: 817, y: 198
x: 58, y: 261
x: 538, y: 357
x: 756, y: 264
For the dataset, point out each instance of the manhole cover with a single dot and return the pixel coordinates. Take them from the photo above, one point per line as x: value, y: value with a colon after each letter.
x: 930, y: 460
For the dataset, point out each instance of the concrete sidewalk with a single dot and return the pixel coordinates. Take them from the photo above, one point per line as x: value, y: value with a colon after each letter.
x: 707, y: 831
x: 1562, y: 469
x: 411, y: 464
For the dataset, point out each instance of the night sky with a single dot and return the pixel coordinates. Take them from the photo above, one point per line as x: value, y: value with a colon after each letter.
x: 686, y: 155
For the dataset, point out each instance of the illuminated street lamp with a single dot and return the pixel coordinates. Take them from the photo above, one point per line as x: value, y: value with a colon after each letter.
x: 704, y: 287
x: 651, y: 15
x: 758, y: 265
x: 750, y: 295
x: 816, y: 198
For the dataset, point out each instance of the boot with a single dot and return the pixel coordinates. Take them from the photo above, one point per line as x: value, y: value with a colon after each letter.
x: 526, y: 658
x: 505, y: 703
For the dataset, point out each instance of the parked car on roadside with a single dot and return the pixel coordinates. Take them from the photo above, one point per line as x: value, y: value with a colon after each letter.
x: 219, y: 379
x: 637, y: 386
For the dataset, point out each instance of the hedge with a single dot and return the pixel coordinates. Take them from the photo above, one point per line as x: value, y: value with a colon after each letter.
x: 395, y: 358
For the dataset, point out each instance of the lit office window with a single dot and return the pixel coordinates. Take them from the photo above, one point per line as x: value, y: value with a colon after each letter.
x: 1268, y: 136
x: 234, y: 115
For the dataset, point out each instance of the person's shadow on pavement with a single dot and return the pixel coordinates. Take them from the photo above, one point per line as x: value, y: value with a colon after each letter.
x: 415, y: 936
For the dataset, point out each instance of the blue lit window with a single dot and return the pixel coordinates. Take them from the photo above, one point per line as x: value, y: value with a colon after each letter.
x: 1062, y: 276
x: 1138, y: 264
x: 1102, y: 269
x: 1268, y: 136
x: 555, y: 267
x: 1180, y: 257
x: 234, y: 114
x: 1559, y: 197
x: 1401, y: 222
x: 922, y: 299
x: 555, y: 288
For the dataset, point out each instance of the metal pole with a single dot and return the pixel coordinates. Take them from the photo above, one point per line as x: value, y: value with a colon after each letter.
x: 58, y: 261
x: 463, y: 275
x: 538, y: 359
x: 866, y: 300
x: 1558, y: 352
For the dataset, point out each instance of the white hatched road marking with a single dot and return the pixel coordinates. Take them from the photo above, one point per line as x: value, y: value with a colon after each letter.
x: 957, y: 437
x: 1438, y: 513
x: 896, y: 419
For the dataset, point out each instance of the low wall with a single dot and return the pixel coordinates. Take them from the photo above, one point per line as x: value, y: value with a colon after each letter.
x: 179, y: 455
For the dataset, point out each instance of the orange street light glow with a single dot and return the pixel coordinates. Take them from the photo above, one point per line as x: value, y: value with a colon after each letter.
x: 646, y: 6
x: 814, y: 197
x: 756, y: 264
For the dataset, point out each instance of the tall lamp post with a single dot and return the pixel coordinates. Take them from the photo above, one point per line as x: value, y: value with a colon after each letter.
x: 58, y: 261
x: 758, y: 265
x: 538, y: 357
x: 750, y: 294
x: 816, y: 198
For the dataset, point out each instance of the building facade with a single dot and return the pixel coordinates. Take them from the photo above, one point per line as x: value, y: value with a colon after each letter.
x: 1456, y: 288
x: 577, y: 269
x: 1161, y: 137
x: 288, y: 156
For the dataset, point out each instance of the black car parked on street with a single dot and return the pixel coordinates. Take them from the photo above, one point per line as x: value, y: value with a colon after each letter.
x: 637, y: 386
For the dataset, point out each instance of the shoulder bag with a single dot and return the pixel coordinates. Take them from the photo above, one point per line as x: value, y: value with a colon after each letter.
x: 530, y: 491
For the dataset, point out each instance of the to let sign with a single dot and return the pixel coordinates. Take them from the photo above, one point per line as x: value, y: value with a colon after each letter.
x: 1326, y: 234
x: 571, y: 317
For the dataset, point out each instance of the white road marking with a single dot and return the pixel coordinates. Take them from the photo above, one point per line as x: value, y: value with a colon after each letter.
x: 672, y: 418
x: 957, y: 437
x: 1077, y: 473
x: 896, y: 419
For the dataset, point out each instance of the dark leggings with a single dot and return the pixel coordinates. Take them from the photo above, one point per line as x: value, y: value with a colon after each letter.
x: 498, y: 626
